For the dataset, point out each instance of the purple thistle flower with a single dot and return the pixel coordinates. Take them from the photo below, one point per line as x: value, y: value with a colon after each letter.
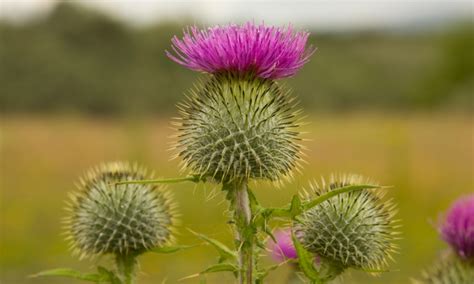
x: 458, y: 227
x: 283, y: 249
x: 268, y: 52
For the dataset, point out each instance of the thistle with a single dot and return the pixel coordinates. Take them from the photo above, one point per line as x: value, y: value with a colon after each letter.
x: 240, y: 124
x: 238, y: 127
x: 457, y: 228
x: 351, y: 230
x: 268, y: 52
x: 123, y: 220
x: 449, y: 270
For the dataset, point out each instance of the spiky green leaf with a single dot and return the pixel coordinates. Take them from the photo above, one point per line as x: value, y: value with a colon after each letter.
x: 110, y: 275
x: 306, y: 261
x: 220, y: 267
x: 262, y: 274
x: 296, y: 206
x: 345, y: 189
x: 171, y: 249
x: 74, y: 274
x: 224, y: 251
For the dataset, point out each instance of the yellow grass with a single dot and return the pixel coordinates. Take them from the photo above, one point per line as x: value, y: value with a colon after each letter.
x: 427, y: 158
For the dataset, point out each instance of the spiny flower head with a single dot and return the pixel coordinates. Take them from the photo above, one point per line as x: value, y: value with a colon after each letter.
x: 119, y: 219
x: 458, y: 227
x: 354, y: 229
x: 450, y: 269
x: 267, y: 52
x: 283, y: 248
x: 236, y: 127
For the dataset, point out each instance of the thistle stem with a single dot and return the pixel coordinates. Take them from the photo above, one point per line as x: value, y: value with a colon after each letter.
x: 245, y: 235
x: 126, y: 267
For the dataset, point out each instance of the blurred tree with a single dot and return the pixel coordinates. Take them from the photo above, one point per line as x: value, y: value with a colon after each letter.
x: 452, y: 79
x: 77, y: 59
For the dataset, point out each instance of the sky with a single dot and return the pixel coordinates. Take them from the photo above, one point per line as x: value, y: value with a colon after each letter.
x: 322, y: 14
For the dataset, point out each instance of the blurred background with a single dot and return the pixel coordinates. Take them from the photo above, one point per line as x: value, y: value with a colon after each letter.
x: 389, y: 94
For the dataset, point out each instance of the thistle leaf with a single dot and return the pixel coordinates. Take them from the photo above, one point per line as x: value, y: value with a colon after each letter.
x: 295, y: 207
x: 334, y: 192
x: 220, y: 267
x: 306, y: 261
x: 224, y: 251
x: 253, y: 201
x: 110, y: 275
x: 262, y: 274
x: 171, y: 249
x: 290, y: 211
x: 74, y: 274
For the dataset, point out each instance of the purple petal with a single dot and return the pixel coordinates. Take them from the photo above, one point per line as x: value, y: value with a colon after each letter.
x: 458, y: 227
x: 283, y: 249
x: 269, y: 52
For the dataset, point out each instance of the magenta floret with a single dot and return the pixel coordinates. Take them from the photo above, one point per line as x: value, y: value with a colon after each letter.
x: 283, y: 249
x: 458, y: 227
x: 268, y: 52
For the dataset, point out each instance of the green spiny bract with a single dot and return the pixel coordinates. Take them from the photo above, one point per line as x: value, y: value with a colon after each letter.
x: 449, y: 270
x: 238, y: 127
x: 354, y: 229
x: 119, y: 219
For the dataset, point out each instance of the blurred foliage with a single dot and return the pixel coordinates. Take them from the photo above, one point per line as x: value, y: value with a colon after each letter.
x: 80, y: 60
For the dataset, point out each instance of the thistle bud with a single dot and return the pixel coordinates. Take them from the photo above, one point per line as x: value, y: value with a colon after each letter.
x: 449, y: 270
x: 238, y: 127
x: 119, y: 219
x: 354, y: 229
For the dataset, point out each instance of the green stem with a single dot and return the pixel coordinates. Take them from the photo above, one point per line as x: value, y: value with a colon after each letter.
x: 126, y: 267
x: 238, y: 195
x: 164, y: 180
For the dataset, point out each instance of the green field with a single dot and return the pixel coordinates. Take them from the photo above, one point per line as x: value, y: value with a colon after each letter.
x: 428, y: 158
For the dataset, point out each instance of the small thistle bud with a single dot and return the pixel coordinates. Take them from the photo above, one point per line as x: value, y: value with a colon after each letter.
x: 283, y: 248
x: 118, y: 219
x: 238, y: 127
x: 354, y: 229
x: 449, y: 270
x: 457, y: 228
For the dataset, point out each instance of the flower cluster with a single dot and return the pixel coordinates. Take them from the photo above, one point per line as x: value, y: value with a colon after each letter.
x: 269, y: 52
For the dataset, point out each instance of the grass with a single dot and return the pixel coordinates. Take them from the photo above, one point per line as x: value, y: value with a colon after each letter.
x: 428, y: 158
